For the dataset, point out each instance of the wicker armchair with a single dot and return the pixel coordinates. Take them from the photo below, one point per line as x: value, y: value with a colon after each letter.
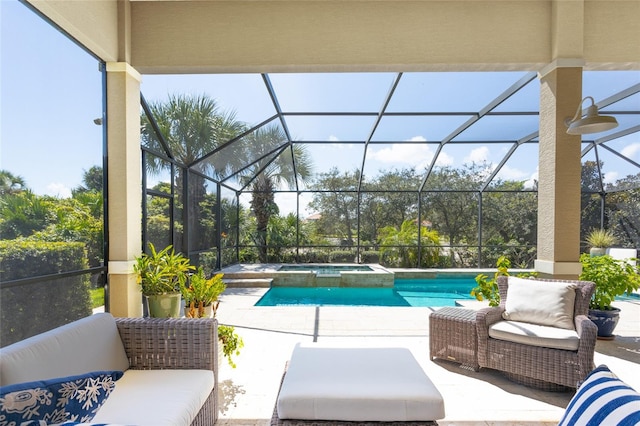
x: 534, y: 365
x: 153, y: 343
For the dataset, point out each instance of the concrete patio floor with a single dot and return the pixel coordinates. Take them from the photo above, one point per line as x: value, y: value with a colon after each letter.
x: 248, y: 392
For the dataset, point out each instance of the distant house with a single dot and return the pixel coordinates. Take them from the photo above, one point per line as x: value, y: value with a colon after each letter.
x: 313, y: 217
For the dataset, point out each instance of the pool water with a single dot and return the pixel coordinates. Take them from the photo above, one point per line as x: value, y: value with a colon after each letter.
x: 407, y: 292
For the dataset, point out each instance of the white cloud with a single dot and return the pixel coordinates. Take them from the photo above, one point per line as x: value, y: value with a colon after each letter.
x: 631, y: 150
x: 509, y: 173
x: 444, y: 160
x: 56, y: 189
x: 339, y: 145
x: 611, y: 177
x: 477, y: 155
x: 415, y: 155
x: 529, y: 183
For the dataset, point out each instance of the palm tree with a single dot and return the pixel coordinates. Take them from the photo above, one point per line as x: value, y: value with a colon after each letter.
x: 193, y: 127
x: 10, y: 183
x: 291, y: 166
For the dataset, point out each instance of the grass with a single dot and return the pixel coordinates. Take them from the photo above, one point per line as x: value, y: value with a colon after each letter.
x: 97, y: 297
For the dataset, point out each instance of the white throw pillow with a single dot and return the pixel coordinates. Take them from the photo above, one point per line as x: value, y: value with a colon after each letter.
x: 540, y: 302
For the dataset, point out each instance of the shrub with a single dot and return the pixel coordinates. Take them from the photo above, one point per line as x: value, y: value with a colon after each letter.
x: 612, y: 278
x: 370, y: 256
x: 32, y: 308
x: 343, y: 256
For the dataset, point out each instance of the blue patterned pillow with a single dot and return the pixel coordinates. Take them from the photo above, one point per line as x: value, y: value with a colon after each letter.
x: 69, y: 423
x: 603, y: 399
x: 75, y: 398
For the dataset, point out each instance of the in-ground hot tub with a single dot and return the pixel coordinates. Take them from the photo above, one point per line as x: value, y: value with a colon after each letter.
x: 325, y: 269
x: 333, y: 275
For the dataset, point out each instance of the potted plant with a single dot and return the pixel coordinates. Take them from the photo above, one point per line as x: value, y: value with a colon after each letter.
x: 612, y: 278
x: 600, y: 240
x: 201, y: 295
x: 161, y: 275
x: 201, y: 300
x: 231, y: 343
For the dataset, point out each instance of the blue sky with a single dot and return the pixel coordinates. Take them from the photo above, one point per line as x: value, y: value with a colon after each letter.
x: 50, y: 96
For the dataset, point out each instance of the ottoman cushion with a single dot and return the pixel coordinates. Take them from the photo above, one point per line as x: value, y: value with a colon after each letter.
x: 357, y: 384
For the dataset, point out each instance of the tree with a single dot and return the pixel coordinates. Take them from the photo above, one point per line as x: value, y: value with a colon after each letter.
x: 623, y: 210
x: 452, y: 205
x: 91, y: 179
x: 509, y: 224
x: 590, y: 199
x: 193, y: 127
x: 390, y: 204
x: 290, y: 167
x: 10, y: 183
x: 337, y: 201
x: 399, y: 247
x: 24, y: 213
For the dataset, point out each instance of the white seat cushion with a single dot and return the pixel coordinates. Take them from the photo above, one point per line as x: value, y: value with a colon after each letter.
x: 357, y: 384
x: 535, y: 335
x: 157, y: 397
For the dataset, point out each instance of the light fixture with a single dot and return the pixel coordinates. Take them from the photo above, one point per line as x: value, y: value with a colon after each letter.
x: 592, y: 122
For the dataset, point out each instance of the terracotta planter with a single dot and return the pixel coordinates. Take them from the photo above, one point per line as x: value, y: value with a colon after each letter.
x: 606, y: 322
x: 164, y: 305
x: 208, y: 312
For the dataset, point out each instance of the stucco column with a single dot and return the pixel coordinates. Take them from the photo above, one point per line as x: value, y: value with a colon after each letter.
x: 124, y: 187
x: 559, y: 175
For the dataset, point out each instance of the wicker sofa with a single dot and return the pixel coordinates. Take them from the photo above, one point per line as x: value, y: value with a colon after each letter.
x: 539, y: 365
x: 169, y: 365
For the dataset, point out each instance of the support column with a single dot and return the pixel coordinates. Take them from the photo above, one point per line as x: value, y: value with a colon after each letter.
x: 124, y: 187
x: 559, y: 175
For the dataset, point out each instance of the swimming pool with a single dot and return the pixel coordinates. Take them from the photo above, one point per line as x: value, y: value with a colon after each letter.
x: 408, y: 292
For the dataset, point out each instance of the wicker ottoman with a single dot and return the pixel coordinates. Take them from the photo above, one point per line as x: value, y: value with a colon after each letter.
x: 453, y: 336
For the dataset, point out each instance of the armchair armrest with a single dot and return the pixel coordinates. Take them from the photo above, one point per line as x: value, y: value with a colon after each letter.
x: 170, y: 343
x: 587, y: 333
x: 485, y: 317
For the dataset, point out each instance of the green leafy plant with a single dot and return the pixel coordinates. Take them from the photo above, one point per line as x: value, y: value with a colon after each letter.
x: 487, y: 289
x: 601, y: 238
x: 201, y: 292
x: 399, y: 247
x: 231, y: 343
x: 612, y: 278
x: 161, y: 272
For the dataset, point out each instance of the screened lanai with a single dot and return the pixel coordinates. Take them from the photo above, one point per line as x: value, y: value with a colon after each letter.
x: 349, y: 157
x: 383, y: 123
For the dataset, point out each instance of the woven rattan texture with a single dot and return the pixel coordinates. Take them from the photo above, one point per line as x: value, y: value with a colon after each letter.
x: 452, y: 336
x: 276, y: 421
x: 174, y: 343
x: 555, y: 366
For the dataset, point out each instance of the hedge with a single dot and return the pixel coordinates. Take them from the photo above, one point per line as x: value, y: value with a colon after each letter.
x: 29, y: 309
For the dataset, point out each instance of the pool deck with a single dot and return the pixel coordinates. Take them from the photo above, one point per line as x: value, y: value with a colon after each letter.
x: 248, y: 393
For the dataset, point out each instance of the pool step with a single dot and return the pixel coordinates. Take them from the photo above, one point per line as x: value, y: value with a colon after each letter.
x: 247, y: 282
